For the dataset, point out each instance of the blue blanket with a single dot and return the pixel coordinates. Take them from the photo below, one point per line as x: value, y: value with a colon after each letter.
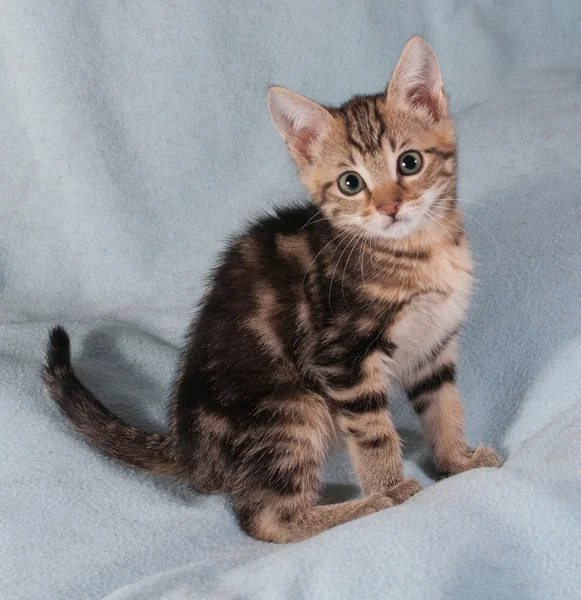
x: 135, y: 138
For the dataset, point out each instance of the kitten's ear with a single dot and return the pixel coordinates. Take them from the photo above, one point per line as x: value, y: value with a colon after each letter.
x: 417, y: 81
x: 300, y: 121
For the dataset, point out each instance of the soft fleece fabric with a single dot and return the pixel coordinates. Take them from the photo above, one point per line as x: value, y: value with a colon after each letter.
x: 134, y: 138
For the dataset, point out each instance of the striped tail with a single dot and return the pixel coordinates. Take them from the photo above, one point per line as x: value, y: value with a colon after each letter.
x: 96, y: 423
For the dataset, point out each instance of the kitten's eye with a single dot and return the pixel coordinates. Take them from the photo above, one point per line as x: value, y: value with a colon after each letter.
x: 351, y: 183
x: 409, y: 163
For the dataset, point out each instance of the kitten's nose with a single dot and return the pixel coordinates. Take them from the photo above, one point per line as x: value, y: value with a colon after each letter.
x: 389, y: 208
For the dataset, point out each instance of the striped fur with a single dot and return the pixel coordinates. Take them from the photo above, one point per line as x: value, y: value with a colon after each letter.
x: 312, y: 315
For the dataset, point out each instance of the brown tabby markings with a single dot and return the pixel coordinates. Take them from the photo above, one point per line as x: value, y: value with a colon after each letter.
x: 263, y: 321
x: 310, y: 319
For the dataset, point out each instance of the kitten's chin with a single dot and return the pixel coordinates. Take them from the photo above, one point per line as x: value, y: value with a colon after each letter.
x: 387, y: 228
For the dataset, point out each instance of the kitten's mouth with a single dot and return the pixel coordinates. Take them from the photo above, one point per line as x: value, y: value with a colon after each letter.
x: 391, y: 227
x: 387, y: 222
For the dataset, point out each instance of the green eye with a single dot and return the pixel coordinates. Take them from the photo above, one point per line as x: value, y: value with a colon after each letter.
x: 351, y: 183
x: 409, y: 163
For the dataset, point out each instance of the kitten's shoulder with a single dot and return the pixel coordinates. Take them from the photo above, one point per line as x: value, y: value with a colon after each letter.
x: 284, y: 220
x: 274, y: 243
x: 265, y: 237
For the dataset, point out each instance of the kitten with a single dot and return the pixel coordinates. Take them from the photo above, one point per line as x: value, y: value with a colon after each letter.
x: 313, y: 313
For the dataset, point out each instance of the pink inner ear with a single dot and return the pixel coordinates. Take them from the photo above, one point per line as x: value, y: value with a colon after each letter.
x: 305, y: 139
x: 299, y: 120
x: 421, y: 97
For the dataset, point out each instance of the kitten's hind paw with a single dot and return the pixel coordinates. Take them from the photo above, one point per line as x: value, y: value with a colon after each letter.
x: 377, y: 502
x: 403, y: 490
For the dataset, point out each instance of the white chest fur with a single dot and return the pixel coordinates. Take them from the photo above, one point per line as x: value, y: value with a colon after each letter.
x: 430, y: 317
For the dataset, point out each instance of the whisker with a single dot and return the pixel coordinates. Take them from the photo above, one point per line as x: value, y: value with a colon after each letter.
x: 478, y: 203
x: 477, y: 221
x: 458, y: 199
x: 473, y: 218
x: 365, y: 240
x: 341, y: 234
x: 336, y: 265
x: 374, y: 242
x: 487, y: 231
x: 317, y: 213
x: 442, y: 217
x: 363, y: 247
x: 432, y: 216
x: 325, y: 219
x: 345, y: 267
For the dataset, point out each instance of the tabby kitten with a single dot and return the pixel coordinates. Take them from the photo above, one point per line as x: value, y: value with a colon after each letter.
x: 313, y: 314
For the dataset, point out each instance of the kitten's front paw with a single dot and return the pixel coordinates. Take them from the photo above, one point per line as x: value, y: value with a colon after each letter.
x: 483, y: 457
x: 480, y: 457
x: 400, y: 492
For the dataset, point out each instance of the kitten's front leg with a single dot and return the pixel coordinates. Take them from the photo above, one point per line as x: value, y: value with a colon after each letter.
x: 435, y: 398
x: 375, y: 448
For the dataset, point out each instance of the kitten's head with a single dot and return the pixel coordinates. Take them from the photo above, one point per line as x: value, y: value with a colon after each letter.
x: 384, y: 163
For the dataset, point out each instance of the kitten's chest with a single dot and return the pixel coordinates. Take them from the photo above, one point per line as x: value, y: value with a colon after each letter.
x: 430, y: 316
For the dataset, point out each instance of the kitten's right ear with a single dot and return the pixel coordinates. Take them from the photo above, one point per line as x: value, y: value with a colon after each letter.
x: 300, y: 121
x: 417, y: 81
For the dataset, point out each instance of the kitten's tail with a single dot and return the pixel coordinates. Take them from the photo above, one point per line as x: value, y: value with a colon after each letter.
x: 100, y: 426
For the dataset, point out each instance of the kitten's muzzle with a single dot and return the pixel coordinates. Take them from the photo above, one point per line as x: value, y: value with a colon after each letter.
x: 389, y: 208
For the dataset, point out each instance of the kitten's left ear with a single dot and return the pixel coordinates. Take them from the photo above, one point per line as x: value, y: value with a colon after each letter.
x: 417, y: 81
x: 300, y: 121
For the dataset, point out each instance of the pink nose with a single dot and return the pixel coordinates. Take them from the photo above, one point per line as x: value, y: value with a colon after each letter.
x: 389, y: 208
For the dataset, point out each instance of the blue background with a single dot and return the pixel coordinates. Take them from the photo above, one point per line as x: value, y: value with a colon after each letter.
x: 134, y: 139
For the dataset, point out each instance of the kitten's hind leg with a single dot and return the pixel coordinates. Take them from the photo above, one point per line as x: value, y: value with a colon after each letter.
x: 278, y: 472
x: 282, y: 521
